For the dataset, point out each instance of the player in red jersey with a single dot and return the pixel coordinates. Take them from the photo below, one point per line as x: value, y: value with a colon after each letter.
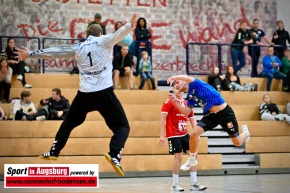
x: 175, y: 125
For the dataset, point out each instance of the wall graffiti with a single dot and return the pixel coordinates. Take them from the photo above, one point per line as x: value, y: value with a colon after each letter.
x: 139, y: 3
x: 172, y: 23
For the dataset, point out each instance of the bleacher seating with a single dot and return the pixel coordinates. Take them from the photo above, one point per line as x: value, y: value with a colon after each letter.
x: 277, y: 144
x: 267, y: 128
x: 87, y: 146
x: 136, y: 163
x: 274, y: 160
x: 248, y: 98
x: 71, y: 81
x: 261, y: 82
x: 151, y: 112
x: 24, y: 140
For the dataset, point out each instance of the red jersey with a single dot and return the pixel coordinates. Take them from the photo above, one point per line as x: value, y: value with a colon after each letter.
x: 176, y: 123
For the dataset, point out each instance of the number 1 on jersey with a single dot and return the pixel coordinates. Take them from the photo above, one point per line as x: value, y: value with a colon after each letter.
x: 90, y: 57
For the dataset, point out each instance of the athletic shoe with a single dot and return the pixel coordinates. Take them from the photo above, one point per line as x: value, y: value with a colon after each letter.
x: 176, y: 187
x: 189, y: 163
x: 197, y: 187
x: 115, y: 163
x: 19, y: 77
x: 253, y: 88
x: 27, y: 86
x: 49, y: 156
x: 249, y: 89
x: 74, y: 71
x: 246, y: 130
x: 40, y: 118
x: 26, y: 68
x: 218, y: 87
x: 281, y: 119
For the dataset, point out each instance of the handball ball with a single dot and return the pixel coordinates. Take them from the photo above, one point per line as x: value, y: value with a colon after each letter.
x: 127, y: 41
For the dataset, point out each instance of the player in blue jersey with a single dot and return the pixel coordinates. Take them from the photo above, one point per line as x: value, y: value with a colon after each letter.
x: 216, y: 112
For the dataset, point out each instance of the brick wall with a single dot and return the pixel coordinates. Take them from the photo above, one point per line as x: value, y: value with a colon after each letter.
x: 172, y: 23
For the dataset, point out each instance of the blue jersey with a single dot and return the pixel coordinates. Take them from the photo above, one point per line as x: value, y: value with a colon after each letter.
x: 203, y: 94
x: 259, y: 34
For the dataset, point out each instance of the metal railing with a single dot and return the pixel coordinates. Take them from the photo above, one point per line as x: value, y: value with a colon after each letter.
x: 58, y: 42
x: 138, y: 52
x: 27, y: 39
x: 42, y: 42
x: 31, y: 42
x: 217, y: 55
x: 204, y: 56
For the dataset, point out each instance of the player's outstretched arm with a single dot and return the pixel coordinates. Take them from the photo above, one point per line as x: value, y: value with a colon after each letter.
x: 65, y: 51
x: 185, y: 78
x: 114, y: 38
x: 184, y: 110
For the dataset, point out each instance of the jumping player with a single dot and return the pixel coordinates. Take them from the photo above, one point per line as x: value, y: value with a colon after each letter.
x: 94, y: 59
x: 178, y: 138
x: 216, y: 112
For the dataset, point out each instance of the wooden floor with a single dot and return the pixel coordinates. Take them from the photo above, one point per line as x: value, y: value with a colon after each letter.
x: 216, y: 184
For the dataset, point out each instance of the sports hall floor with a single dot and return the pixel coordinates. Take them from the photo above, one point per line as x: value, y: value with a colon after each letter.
x: 262, y: 183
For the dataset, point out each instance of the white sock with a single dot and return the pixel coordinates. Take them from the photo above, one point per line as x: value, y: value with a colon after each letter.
x: 175, y: 178
x: 193, y: 155
x: 193, y: 178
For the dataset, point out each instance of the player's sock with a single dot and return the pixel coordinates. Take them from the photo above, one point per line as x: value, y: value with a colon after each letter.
x: 175, y: 178
x: 193, y: 177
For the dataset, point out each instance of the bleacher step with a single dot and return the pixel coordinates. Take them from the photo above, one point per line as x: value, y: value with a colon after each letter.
x: 240, y: 166
x: 198, y: 117
x: 225, y: 150
x: 215, y: 133
x: 241, y: 158
x: 219, y: 141
x: 197, y: 110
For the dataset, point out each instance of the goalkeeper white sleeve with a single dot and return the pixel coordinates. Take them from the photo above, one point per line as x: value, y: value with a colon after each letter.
x: 65, y: 51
